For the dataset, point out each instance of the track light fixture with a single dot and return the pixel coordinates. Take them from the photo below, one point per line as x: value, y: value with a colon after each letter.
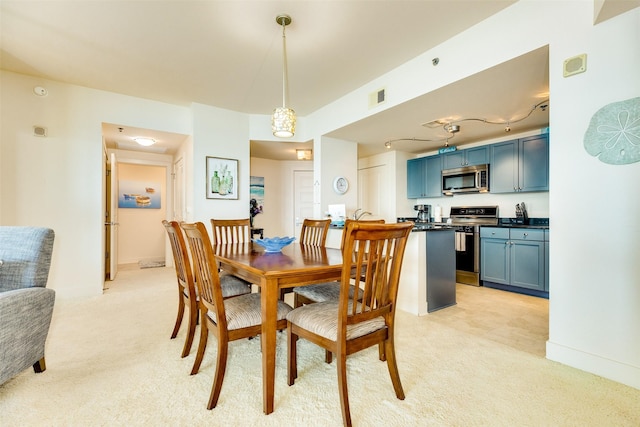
x: 452, y: 127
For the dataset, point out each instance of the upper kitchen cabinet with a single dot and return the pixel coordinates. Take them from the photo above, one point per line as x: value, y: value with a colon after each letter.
x: 469, y: 157
x: 423, y: 177
x: 520, y: 165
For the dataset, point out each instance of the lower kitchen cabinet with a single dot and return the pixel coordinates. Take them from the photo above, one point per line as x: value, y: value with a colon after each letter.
x: 514, y: 259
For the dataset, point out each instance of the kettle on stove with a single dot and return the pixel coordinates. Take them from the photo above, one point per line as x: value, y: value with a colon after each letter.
x: 424, y: 213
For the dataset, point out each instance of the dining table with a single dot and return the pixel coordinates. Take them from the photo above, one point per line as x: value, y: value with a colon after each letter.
x: 296, y: 264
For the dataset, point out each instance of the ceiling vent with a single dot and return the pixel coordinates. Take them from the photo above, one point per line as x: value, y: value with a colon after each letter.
x: 435, y: 124
x: 377, y: 97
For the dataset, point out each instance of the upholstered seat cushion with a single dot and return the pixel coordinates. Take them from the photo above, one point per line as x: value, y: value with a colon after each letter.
x: 244, y: 311
x: 232, y: 285
x: 322, y: 292
x: 322, y: 319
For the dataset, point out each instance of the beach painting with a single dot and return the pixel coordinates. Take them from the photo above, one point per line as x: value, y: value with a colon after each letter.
x: 256, y: 190
x: 139, y: 194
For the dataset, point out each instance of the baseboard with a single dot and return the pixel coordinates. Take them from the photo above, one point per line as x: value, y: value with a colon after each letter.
x: 616, y: 371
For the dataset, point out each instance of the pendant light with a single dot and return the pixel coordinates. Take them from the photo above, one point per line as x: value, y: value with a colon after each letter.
x: 283, y: 121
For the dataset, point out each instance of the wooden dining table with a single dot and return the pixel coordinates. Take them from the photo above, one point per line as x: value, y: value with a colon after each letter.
x: 296, y: 265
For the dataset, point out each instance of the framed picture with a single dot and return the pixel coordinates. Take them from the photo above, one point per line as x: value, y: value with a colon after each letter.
x: 222, y: 178
x: 139, y: 194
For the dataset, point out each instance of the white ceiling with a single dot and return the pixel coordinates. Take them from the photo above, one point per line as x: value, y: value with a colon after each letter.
x: 229, y: 54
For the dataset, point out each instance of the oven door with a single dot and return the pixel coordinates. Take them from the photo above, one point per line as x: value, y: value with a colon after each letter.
x: 467, y: 256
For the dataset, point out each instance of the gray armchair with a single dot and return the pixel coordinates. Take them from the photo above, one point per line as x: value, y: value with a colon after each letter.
x: 26, y: 305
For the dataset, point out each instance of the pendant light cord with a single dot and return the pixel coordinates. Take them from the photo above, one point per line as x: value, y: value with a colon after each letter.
x: 285, y: 76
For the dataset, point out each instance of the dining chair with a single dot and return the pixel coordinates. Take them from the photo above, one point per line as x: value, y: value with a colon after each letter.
x: 314, y: 231
x: 228, y: 319
x: 231, y: 231
x: 325, y: 291
x: 187, y: 296
x: 187, y: 292
x: 347, y: 325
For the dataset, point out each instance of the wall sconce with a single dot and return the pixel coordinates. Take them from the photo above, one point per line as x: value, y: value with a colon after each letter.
x: 304, y: 154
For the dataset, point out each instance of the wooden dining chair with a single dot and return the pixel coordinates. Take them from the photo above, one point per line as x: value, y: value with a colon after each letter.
x: 186, y: 285
x: 314, y: 231
x: 187, y: 292
x: 231, y: 231
x: 325, y: 291
x: 347, y: 326
x: 228, y: 319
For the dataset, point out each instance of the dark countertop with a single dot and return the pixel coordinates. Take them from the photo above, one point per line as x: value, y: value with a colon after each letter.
x: 542, y: 227
x: 417, y: 228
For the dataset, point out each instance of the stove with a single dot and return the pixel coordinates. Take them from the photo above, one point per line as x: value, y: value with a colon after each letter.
x: 466, y: 220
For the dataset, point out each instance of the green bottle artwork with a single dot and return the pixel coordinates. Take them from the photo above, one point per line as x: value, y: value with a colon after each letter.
x: 215, y: 182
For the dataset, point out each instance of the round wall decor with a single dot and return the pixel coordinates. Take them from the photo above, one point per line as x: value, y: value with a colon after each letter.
x: 340, y: 185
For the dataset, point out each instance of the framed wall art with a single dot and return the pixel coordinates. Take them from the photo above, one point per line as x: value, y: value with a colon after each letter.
x: 222, y: 178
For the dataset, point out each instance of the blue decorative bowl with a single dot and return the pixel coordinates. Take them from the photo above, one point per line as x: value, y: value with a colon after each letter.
x: 274, y: 244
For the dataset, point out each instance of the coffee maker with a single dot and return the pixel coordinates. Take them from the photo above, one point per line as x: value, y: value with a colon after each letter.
x: 424, y: 213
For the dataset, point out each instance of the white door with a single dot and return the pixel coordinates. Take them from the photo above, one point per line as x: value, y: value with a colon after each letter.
x: 303, y: 198
x: 112, y: 220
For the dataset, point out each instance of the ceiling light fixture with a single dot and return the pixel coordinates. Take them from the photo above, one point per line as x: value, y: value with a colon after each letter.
x: 283, y: 121
x: 452, y: 128
x: 304, y: 154
x: 145, y: 141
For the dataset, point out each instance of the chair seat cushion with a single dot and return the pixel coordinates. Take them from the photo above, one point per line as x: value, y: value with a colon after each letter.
x: 233, y: 286
x: 322, y: 292
x: 244, y: 311
x: 322, y: 319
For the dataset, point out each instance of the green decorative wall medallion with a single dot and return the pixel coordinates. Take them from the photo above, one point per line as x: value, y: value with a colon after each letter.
x: 613, y: 134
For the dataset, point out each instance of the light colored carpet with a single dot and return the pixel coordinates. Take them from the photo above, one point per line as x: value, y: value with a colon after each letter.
x: 110, y: 362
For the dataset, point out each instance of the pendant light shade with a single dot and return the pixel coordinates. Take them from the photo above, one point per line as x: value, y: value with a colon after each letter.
x: 283, y: 121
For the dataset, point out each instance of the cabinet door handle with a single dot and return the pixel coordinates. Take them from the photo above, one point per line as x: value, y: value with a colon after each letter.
x: 525, y: 234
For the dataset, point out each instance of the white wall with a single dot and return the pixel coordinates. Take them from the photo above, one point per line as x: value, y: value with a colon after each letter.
x: 219, y: 133
x: 57, y: 181
x: 595, y: 294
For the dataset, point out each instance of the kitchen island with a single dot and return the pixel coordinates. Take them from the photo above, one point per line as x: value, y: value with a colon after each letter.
x: 428, y: 277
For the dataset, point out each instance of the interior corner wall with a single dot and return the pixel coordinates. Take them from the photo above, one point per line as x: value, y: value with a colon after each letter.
x: 57, y: 181
x: 594, y: 304
x: 338, y: 158
x: 219, y: 133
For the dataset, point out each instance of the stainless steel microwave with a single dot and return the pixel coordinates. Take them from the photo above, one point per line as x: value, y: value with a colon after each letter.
x: 468, y: 179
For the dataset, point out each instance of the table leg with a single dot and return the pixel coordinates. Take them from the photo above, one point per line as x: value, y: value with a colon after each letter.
x: 269, y: 304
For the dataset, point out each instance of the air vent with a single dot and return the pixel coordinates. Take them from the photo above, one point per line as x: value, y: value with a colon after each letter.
x: 574, y: 65
x: 435, y: 124
x: 377, y: 97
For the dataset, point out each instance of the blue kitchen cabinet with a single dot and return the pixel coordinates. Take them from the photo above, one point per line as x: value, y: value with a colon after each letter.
x: 514, y: 259
x: 416, y: 177
x: 424, y: 177
x: 520, y: 165
x: 494, y: 258
x: 469, y: 157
